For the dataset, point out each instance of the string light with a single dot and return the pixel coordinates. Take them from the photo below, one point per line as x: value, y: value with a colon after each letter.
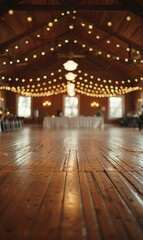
x: 50, y: 24
x: 128, y: 18
x: 87, y: 89
x: 29, y: 19
x: 10, y: 12
x: 109, y: 24
x: 71, y: 26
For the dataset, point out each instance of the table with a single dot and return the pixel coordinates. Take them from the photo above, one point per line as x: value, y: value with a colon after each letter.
x: 74, y: 122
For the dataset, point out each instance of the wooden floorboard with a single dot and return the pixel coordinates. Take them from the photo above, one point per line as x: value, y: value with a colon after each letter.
x: 71, y: 184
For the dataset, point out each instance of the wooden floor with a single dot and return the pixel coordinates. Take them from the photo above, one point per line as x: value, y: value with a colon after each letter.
x: 71, y: 184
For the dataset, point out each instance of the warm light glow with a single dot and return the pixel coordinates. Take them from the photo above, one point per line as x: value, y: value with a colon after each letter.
x: 7, y: 113
x: 46, y: 104
x: 70, y: 89
x: 100, y: 87
x: 94, y: 104
x: 29, y: 19
x: 140, y: 100
x: 90, y: 26
x: 71, y: 26
x: 50, y: 24
x: 70, y: 76
x: 109, y: 24
x: 10, y: 12
x: 1, y: 99
x: 128, y: 18
x: 70, y: 65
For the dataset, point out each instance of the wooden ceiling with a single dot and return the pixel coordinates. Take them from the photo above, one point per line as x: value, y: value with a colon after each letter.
x: 104, y: 37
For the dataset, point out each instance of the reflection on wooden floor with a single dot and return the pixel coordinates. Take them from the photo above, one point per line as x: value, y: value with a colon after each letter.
x: 71, y: 184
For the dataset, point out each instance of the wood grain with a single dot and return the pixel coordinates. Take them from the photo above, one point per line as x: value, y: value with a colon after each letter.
x: 71, y: 184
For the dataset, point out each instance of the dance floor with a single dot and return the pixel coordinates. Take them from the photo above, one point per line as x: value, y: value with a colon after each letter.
x: 71, y: 184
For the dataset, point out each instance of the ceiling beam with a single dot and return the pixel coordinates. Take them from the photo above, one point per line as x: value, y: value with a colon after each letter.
x: 4, y: 7
x: 133, y: 7
x: 115, y: 34
x: 60, y: 7
x: 126, y: 5
x: 22, y: 35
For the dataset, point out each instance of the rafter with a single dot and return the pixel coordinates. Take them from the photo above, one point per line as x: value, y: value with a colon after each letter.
x: 60, y: 7
x: 115, y: 34
x: 133, y: 6
x: 4, y: 7
x: 23, y: 34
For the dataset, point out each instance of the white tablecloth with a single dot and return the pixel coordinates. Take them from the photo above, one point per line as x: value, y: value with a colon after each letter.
x: 74, y: 122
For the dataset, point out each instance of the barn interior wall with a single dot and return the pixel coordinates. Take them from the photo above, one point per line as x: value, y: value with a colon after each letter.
x: 131, y: 105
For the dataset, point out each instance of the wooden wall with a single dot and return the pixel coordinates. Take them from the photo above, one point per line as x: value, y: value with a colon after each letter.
x: 57, y: 104
x: 2, y: 99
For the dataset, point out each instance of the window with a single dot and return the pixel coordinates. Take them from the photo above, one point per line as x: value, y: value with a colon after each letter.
x: 24, y: 106
x: 71, y: 106
x: 115, y: 107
